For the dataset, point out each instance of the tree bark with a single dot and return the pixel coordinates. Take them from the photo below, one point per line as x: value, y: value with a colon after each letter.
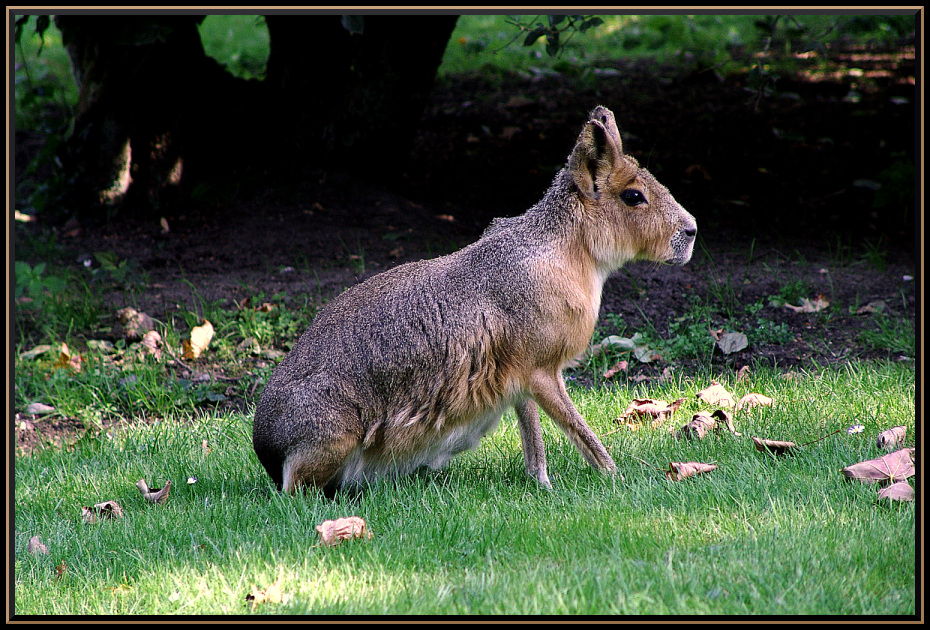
x: 340, y: 96
x: 155, y: 110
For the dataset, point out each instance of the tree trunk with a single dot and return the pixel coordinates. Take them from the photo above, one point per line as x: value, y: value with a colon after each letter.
x: 343, y: 98
x: 154, y: 109
x: 136, y: 76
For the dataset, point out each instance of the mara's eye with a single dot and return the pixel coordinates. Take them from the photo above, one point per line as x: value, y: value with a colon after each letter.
x: 632, y: 197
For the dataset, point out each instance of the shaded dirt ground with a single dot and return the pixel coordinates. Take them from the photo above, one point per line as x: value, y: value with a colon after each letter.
x: 810, y: 187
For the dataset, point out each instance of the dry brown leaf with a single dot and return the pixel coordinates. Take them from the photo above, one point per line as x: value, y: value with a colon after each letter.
x: 199, y: 340
x: 702, y: 422
x: 898, y: 491
x: 60, y: 570
x: 154, y: 495
x: 876, y: 306
x: 66, y: 360
x: 619, y: 366
x: 754, y: 400
x: 134, y: 323
x: 35, y: 546
x: 743, y: 374
x: 891, y: 468
x: 659, y: 410
x: 716, y: 394
x: 777, y: 447
x: 678, y: 471
x: 151, y: 344
x: 107, y: 509
x: 271, y: 595
x: 810, y: 306
x: 334, y: 532
x: 891, y: 438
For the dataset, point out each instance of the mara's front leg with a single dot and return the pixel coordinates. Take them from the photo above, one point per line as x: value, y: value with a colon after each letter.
x: 534, y: 451
x: 549, y: 391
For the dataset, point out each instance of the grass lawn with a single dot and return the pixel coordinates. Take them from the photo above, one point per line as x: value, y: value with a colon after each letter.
x: 759, y: 535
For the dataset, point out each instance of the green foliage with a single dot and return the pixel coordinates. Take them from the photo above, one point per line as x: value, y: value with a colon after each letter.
x: 110, y: 264
x: 44, y: 90
x: 482, y: 42
x: 553, y: 30
x: 274, y: 326
x: 34, y: 283
x: 240, y: 43
x: 790, y: 293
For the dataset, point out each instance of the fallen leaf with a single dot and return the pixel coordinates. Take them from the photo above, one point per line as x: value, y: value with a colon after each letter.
x: 154, y: 495
x: 32, y: 354
x: 634, y: 344
x: 889, y: 439
x: 199, y: 340
x: 777, y: 447
x: 151, y: 344
x: 810, y: 306
x: 754, y: 400
x: 38, y: 409
x: 702, y: 422
x: 877, y: 306
x: 66, y: 360
x: 271, y: 595
x: 677, y: 471
x: 716, y: 394
x: 619, y: 366
x: 135, y: 324
x: 334, y: 532
x: 60, y: 570
x: 732, y: 342
x: 892, y: 467
x: 35, y: 546
x: 107, y: 509
x: 743, y: 374
x: 646, y: 355
x: 898, y: 491
x: 659, y: 410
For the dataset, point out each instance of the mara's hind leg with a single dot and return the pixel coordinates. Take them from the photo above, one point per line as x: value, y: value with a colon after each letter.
x: 319, y: 464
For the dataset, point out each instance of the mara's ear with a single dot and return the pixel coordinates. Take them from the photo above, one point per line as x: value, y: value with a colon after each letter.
x: 597, y: 152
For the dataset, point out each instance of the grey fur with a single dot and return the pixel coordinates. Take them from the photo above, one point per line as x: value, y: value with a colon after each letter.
x: 416, y: 364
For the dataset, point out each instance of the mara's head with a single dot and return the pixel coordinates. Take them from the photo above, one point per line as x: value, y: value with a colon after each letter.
x: 628, y: 214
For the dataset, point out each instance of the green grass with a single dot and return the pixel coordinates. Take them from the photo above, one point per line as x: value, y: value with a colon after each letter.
x: 757, y: 536
x: 491, y: 44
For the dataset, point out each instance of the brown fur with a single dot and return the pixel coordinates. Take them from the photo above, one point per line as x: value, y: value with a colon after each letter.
x: 418, y: 363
